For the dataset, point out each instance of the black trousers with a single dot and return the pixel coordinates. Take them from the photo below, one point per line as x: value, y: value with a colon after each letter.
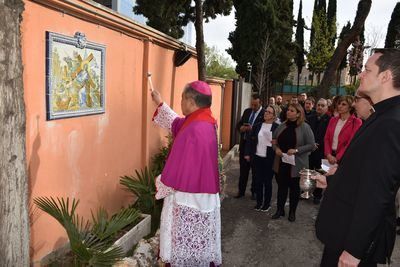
x: 245, y: 167
x: 330, y: 258
x: 263, y: 174
x: 286, y: 182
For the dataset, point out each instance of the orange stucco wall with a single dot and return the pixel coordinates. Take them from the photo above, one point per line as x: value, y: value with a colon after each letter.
x: 226, y: 116
x: 83, y: 157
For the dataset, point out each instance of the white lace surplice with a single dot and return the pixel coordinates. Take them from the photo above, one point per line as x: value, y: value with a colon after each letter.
x: 190, y: 230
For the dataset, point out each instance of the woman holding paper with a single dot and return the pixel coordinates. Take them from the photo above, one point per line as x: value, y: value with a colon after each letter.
x: 259, y: 150
x: 294, y: 142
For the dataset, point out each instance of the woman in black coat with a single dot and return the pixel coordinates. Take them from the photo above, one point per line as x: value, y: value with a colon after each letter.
x: 259, y: 151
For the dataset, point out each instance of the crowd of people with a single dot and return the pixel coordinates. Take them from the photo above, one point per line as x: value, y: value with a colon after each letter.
x: 357, y: 135
x: 310, y: 132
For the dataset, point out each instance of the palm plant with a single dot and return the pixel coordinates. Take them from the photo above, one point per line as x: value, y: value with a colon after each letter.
x: 91, y: 243
x: 143, y: 186
x: 159, y: 159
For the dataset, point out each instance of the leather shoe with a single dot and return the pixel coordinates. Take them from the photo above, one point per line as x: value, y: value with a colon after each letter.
x: 239, y: 196
x: 279, y: 213
x: 292, y: 216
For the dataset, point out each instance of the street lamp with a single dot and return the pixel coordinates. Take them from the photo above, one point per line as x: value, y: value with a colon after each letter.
x: 249, y: 68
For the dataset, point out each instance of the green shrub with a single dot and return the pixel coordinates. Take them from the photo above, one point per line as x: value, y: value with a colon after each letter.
x: 91, y: 243
x: 159, y: 159
x: 144, y: 188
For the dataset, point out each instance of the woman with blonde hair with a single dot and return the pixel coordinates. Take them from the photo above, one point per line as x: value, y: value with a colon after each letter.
x: 295, y: 138
x: 341, y: 130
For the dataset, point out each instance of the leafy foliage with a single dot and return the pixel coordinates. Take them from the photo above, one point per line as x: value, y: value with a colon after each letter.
x: 331, y: 19
x: 217, y: 65
x: 352, y: 88
x: 144, y: 188
x: 320, y: 50
x: 299, y: 59
x: 263, y: 36
x: 393, y: 34
x: 363, y: 9
x: 159, y: 159
x: 91, y: 243
x: 168, y: 17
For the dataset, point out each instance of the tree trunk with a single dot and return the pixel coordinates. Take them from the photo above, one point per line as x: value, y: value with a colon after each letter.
x: 198, y: 24
x: 339, y: 76
x: 363, y: 9
x: 312, y: 79
x: 298, y: 82
x: 14, y: 222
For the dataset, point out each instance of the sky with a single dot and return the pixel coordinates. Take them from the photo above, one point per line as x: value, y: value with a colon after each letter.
x: 216, y: 32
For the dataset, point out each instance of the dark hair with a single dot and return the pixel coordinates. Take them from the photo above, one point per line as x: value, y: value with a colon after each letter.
x: 256, y: 96
x: 358, y: 95
x: 202, y: 101
x: 312, y: 99
x: 389, y: 60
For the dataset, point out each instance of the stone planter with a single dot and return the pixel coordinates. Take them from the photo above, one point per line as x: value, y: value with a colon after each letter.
x: 126, y: 242
x: 132, y: 237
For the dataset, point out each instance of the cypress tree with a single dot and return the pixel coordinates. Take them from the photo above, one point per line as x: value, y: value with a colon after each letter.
x: 331, y: 18
x: 322, y: 5
x: 299, y: 59
x: 170, y: 16
x: 263, y: 36
x: 315, y: 9
x: 363, y: 9
x: 393, y: 31
x: 320, y: 50
x: 284, y: 48
x: 167, y: 17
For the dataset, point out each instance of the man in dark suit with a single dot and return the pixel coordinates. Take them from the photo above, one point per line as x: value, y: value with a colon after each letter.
x: 356, y: 220
x: 309, y: 109
x: 251, y: 116
x: 318, y: 122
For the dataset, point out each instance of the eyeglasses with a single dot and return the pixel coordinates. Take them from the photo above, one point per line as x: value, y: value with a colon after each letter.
x: 357, y: 98
x: 321, y: 105
x: 269, y: 112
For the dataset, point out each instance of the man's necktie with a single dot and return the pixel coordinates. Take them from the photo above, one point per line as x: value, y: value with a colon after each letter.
x: 251, y: 119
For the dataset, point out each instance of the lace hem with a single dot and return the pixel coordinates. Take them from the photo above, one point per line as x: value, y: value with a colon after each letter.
x: 164, y: 116
x: 162, y: 190
x: 189, y: 237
